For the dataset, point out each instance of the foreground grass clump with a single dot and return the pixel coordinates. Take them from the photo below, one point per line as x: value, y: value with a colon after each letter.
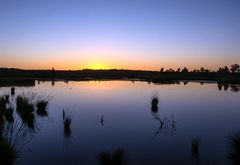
x: 7, y: 153
x: 233, y: 154
x: 13, y: 137
x: 17, y: 129
x: 118, y: 157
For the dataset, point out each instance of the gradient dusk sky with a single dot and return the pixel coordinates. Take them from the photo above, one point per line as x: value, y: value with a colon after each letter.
x: 129, y: 34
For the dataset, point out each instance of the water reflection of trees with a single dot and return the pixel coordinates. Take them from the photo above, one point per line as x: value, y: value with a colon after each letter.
x: 17, y: 123
x: 166, y: 124
x: 234, y: 87
x: 226, y: 86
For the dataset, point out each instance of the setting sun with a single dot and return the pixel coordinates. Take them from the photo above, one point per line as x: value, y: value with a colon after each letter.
x: 97, y: 66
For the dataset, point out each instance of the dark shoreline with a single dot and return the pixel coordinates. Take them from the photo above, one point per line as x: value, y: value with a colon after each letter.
x: 17, y: 77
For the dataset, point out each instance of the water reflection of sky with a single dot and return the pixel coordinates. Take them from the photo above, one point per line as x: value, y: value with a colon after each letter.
x: 199, y: 110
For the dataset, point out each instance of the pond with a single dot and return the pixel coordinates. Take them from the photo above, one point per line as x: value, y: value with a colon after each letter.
x: 129, y: 122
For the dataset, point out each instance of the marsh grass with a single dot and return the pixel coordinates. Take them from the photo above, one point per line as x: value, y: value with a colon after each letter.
x: 12, y: 91
x: 67, y: 126
x: 41, y: 105
x: 233, y: 154
x: 13, y: 137
x: 7, y: 153
x: 195, y: 147
x: 117, y: 157
x: 155, y: 99
x: 154, y: 108
x: 4, y: 100
x: 67, y: 121
x: 154, y: 103
x: 104, y: 158
x: 14, y: 130
x: 164, y: 125
x: 25, y: 109
x: 8, y: 114
x: 24, y: 104
x: 41, y: 108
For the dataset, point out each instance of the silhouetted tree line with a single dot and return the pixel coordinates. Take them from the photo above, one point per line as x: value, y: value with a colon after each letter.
x: 234, y: 68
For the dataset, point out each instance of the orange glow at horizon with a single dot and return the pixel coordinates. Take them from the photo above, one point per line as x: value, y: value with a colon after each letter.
x: 138, y: 65
x: 97, y: 66
x: 121, y: 60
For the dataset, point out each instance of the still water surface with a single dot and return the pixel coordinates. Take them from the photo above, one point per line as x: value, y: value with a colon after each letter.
x: 108, y: 115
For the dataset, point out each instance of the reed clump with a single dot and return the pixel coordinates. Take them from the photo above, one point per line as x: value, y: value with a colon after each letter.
x: 195, y: 147
x: 42, y: 107
x: 25, y: 109
x: 4, y: 100
x: 8, y: 114
x: 7, y: 153
x: 233, y: 154
x: 154, y: 103
x: 117, y: 157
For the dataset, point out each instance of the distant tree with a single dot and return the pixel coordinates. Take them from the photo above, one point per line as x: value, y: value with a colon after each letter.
x: 207, y: 71
x: 235, y: 68
x: 226, y: 69
x: 184, y: 70
x: 170, y: 70
x: 220, y: 70
x: 53, y: 69
x: 162, y: 70
x: 202, y: 69
x: 179, y: 69
x: 223, y: 70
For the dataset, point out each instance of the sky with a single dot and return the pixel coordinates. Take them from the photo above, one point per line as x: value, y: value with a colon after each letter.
x: 122, y: 34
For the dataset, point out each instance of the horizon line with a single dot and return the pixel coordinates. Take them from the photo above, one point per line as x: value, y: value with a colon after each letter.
x: 108, y: 69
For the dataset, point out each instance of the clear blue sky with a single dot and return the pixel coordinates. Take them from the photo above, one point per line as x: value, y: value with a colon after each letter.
x: 132, y: 34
